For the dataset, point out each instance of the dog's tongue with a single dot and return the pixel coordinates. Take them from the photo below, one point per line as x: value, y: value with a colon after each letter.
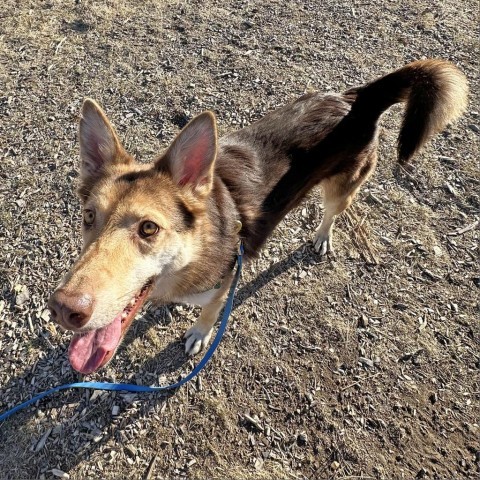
x: 88, y: 350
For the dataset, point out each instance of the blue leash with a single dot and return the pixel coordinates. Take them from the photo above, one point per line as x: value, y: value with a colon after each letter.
x: 127, y: 387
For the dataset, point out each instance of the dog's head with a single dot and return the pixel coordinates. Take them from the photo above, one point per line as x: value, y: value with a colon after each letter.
x: 141, y: 228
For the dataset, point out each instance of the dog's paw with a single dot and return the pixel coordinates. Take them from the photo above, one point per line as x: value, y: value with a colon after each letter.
x: 196, y: 340
x: 322, y: 244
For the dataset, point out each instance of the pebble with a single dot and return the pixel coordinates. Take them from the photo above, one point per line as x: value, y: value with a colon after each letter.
x: 474, y: 128
x: 60, y: 473
x: 23, y: 296
x: 335, y: 465
x: 115, y: 410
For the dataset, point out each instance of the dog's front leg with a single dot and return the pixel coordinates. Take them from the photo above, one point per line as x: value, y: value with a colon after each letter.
x: 198, y: 336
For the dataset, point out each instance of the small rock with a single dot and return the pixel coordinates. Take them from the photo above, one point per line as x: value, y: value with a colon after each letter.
x: 115, y: 410
x: 23, y: 296
x: 335, y: 465
x: 474, y: 128
x: 59, y: 473
x: 437, y: 251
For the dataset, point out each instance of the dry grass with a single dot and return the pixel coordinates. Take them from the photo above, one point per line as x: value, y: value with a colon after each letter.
x: 364, y: 365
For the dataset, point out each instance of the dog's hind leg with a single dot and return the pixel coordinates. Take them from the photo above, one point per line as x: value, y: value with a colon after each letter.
x: 338, y: 194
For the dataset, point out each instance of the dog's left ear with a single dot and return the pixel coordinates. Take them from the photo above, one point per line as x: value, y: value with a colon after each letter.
x: 190, y: 159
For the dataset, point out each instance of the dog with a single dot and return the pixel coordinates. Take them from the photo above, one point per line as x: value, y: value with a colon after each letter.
x: 169, y: 231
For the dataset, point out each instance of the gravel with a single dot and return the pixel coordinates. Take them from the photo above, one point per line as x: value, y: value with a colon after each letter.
x: 361, y: 365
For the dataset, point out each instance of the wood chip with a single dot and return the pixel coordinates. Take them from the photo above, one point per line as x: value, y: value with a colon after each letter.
x: 463, y: 230
x: 150, y: 468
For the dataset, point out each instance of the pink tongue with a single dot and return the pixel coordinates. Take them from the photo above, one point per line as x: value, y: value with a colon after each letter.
x: 88, y: 350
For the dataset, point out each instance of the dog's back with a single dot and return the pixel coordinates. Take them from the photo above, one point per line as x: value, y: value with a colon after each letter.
x: 331, y: 139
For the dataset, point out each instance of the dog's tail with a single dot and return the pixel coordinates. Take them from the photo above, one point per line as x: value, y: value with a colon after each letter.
x: 435, y: 93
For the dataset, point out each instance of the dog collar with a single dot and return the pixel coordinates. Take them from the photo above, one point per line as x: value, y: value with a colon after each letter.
x: 238, y: 227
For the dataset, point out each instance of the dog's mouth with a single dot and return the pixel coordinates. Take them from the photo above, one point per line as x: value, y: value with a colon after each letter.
x: 92, y: 350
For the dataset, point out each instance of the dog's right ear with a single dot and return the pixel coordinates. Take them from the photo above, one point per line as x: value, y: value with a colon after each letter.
x: 191, y: 157
x: 99, y: 145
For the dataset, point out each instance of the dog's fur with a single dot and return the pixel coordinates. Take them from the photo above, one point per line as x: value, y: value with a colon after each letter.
x: 198, y: 190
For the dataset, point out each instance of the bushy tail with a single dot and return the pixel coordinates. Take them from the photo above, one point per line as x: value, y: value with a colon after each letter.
x: 435, y: 93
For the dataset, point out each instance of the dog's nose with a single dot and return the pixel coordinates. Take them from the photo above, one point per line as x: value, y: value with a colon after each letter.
x: 70, y: 310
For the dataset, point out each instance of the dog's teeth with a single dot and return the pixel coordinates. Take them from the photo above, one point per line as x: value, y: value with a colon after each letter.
x: 124, y: 315
x: 132, y: 302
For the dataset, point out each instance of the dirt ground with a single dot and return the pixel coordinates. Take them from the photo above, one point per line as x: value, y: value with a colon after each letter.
x: 363, y: 365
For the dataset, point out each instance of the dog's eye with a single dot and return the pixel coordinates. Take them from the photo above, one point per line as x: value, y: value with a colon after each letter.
x: 88, y: 217
x: 148, y: 228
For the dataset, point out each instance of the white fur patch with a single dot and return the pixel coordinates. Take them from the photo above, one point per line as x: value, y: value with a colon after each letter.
x: 200, y: 299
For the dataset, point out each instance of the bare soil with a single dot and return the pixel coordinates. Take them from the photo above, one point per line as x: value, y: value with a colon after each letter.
x: 363, y: 365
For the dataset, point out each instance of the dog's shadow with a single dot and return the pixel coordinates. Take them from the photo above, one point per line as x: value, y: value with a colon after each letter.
x: 169, y: 362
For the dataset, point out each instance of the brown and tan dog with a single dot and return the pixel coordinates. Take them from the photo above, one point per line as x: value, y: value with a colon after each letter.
x: 168, y: 231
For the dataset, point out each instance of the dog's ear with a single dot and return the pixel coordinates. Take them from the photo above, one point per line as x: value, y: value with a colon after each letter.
x: 191, y: 157
x: 99, y: 145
